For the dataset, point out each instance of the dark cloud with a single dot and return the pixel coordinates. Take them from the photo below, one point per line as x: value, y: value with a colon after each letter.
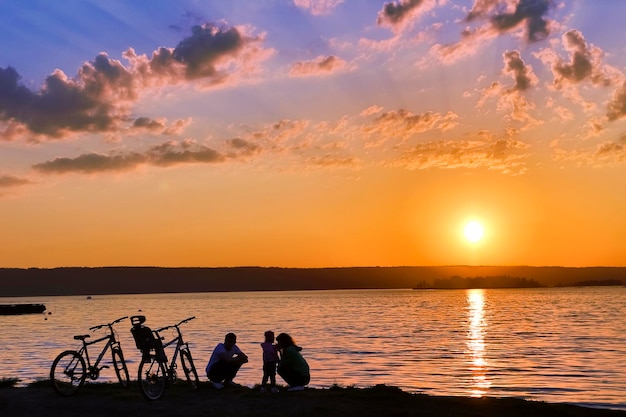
x: 522, y: 73
x: 617, y: 106
x: 167, y: 154
x: 148, y: 123
x: 510, y: 14
x: 64, y: 105
x: 98, y: 99
x: 528, y: 12
x: 243, y: 147
x: 395, y: 13
x: 206, y: 47
x: 584, y: 64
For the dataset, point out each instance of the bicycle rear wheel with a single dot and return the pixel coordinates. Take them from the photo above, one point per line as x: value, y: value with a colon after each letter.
x: 152, y: 378
x: 190, y: 369
x: 68, y: 373
x: 120, y: 368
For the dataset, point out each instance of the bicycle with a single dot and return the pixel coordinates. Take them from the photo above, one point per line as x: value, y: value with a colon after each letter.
x: 154, y: 372
x: 70, y: 368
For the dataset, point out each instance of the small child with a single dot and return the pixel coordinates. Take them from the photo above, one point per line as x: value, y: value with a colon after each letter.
x: 270, y: 360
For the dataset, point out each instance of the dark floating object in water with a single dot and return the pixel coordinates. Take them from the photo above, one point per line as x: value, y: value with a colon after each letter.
x: 15, y: 309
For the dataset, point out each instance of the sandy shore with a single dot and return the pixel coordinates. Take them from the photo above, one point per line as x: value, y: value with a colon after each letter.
x: 106, y: 400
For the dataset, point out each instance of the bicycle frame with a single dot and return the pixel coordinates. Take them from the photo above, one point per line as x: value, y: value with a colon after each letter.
x: 180, y: 345
x: 84, y: 352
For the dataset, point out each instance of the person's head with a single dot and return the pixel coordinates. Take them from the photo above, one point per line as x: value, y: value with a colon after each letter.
x: 230, y: 340
x: 284, y: 340
x: 269, y: 336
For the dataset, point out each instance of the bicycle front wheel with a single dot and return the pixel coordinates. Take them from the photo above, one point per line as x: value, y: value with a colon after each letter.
x: 152, y: 378
x: 68, y: 373
x: 120, y: 368
x: 190, y: 369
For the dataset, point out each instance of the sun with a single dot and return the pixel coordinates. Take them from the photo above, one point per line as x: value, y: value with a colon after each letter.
x: 473, y: 231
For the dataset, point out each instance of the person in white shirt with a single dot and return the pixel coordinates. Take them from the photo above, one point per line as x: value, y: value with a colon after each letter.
x: 225, y: 362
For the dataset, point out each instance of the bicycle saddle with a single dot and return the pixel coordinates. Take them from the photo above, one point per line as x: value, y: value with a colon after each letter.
x: 81, y: 336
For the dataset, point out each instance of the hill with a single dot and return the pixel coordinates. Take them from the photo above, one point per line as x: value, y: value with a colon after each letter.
x: 16, y: 282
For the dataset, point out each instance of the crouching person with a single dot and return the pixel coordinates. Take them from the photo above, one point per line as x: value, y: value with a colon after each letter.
x: 225, y: 362
x: 292, y: 367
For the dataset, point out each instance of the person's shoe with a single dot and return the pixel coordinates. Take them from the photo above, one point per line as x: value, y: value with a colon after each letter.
x: 217, y: 385
x: 232, y: 384
x: 295, y: 388
x: 274, y: 390
x: 263, y: 391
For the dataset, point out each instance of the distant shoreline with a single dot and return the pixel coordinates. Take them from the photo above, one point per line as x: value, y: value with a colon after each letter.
x: 16, y: 282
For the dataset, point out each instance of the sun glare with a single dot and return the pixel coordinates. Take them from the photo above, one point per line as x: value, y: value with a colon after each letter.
x: 473, y: 231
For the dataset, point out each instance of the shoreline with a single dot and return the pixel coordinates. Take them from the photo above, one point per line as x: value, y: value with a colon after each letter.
x: 107, y: 399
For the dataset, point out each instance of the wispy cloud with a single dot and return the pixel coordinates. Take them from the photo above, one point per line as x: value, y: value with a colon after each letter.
x: 505, y: 155
x: 318, y: 7
x: 323, y: 65
x: 12, y: 181
x: 167, y: 154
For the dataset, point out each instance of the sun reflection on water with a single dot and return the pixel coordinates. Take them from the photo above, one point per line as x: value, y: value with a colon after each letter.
x: 476, y: 342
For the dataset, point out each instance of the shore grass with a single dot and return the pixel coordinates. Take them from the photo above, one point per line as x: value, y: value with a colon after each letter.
x: 109, y: 399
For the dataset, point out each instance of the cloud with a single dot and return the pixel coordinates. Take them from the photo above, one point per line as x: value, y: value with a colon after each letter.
x: 318, y: 7
x: 511, y: 99
x: 471, y: 42
x: 402, y: 124
x: 330, y: 160
x: 166, y: 154
x: 617, y: 105
x: 87, y: 104
x: 607, y: 153
x: 243, y: 148
x: 159, y: 126
x: 396, y: 14
x: 585, y: 63
x: 502, y: 16
x: 508, y: 15
x: 99, y: 98
x: 504, y: 155
x: 320, y: 66
x: 522, y: 74
x: 12, y: 181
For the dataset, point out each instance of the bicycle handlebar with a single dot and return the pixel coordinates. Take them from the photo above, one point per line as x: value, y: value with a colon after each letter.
x: 107, y: 324
x: 175, y: 325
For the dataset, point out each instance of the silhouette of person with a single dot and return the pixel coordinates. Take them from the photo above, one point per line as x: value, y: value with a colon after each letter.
x: 225, y: 362
x: 270, y: 360
x: 292, y: 367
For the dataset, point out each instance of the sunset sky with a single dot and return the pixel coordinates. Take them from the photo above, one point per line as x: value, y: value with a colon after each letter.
x: 312, y: 133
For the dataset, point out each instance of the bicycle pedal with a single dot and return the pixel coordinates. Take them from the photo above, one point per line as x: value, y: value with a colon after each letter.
x: 104, y: 366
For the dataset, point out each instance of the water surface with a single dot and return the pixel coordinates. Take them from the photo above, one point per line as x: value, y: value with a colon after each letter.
x: 557, y: 345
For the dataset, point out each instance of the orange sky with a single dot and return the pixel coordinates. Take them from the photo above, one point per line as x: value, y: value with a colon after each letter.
x: 312, y: 133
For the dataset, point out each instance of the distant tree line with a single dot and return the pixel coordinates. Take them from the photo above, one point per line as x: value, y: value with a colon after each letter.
x: 500, y: 281
x: 594, y: 283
